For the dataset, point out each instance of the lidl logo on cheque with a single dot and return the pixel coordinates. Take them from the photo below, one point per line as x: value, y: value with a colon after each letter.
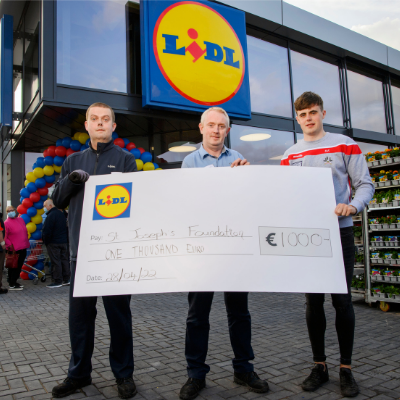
x: 199, y: 53
x: 112, y: 201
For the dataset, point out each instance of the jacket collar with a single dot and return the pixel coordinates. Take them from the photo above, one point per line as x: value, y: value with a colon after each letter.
x: 102, y: 147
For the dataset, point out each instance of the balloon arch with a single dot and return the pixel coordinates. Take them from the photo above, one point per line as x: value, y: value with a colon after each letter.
x: 45, y: 172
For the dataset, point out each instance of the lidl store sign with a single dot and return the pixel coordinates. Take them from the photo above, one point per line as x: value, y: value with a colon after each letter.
x: 194, y: 56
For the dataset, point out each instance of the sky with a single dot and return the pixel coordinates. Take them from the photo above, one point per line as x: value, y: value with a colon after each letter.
x: 377, y: 19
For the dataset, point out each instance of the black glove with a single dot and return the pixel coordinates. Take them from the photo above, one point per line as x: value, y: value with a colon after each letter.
x: 78, y: 176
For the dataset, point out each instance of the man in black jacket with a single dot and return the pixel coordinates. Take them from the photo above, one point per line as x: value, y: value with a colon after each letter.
x: 102, y: 158
x: 54, y: 236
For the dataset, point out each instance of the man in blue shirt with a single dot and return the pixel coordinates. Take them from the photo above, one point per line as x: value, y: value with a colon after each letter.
x: 214, y: 127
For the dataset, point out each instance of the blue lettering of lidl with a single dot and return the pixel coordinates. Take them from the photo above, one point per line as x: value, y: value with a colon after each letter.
x: 214, y: 52
x: 170, y: 45
x: 229, y: 58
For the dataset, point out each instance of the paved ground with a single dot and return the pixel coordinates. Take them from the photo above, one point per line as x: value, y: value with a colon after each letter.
x: 34, y: 348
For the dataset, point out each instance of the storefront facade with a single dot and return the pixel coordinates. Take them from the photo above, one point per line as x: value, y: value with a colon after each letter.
x: 70, y: 54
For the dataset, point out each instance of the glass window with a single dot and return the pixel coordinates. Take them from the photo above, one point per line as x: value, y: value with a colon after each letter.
x: 269, y: 78
x: 92, y: 44
x: 396, y: 108
x: 371, y: 147
x: 366, y: 103
x: 310, y: 74
x: 260, y: 146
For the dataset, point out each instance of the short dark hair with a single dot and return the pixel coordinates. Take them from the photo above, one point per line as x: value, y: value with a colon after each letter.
x: 102, y: 105
x: 307, y: 100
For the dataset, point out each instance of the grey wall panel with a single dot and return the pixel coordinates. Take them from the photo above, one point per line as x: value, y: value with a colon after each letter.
x: 394, y: 59
x: 304, y: 22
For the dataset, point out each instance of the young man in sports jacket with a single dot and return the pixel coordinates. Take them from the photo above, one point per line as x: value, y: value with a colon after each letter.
x: 101, y: 158
x: 349, y: 169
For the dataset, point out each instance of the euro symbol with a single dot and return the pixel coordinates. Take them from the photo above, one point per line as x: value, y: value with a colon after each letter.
x: 270, y: 239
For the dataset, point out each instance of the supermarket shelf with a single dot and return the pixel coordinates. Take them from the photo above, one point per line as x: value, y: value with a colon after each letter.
x: 387, y: 187
x: 384, y: 230
x: 384, y: 247
x: 384, y: 166
x: 383, y: 208
x: 357, y: 295
x: 358, y: 270
x: 373, y: 299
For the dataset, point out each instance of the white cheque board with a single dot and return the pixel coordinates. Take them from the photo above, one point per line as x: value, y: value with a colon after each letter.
x: 254, y: 228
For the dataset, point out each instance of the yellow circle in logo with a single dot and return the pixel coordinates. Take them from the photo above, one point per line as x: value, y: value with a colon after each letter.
x: 112, y: 201
x: 199, y: 53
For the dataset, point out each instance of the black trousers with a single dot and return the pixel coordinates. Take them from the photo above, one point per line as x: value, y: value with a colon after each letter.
x: 82, y: 316
x: 13, y: 273
x: 198, y: 327
x: 58, y: 253
x: 345, y: 318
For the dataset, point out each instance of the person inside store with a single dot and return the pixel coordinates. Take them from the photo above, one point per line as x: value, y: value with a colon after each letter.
x: 54, y: 236
x: 214, y: 127
x: 349, y: 169
x: 16, y: 239
x: 101, y: 158
x: 2, y: 251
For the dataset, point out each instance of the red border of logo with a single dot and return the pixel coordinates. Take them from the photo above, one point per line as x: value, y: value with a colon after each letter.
x: 115, y: 216
x: 205, y: 103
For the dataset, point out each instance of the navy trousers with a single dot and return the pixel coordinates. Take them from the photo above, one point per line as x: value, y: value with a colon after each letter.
x: 82, y: 316
x: 198, y: 327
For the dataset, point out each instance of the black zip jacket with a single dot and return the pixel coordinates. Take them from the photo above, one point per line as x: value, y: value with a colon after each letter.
x: 108, y: 158
x: 55, y: 227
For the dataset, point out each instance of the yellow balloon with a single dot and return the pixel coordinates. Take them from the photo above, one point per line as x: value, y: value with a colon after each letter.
x: 26, y: 182
x: 30, y: 176
x: 40, y: 211
x: 149, y: 166
x: 57, y: 168
x: 31, y: 227
x: 38, y: 172
x: 48, y: 170
x: 158, y: 169
x: 83, y: 137
x: 139, y: 164
x: 76, y: 135
x: 29, y: 235
x: 37, y: 219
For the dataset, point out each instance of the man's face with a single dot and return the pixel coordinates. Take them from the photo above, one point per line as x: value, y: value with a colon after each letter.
x: 47, y: 206
x: 215, y: 129
x: 310, y: 120
x: 100, y: 125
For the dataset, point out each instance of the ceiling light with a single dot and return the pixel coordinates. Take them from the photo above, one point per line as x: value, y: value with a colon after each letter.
x: 277, y: 157
x: 182, y: 147
x: 255, y: 137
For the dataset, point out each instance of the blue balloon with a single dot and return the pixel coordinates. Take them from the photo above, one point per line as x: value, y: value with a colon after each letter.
x: 31, y: 211
x: 28, y: 252
x: 49, y: 179
x: 39, y: 226
x: 88, y: 141
x: 21, y: 199
x: 75, y: 145
x: 66, y: 142
x: 59, y: 142
x: 126, y: 141
x: 58, y: 161
x: 156, y: 165
x: 37, y: 235
x: 40, y: 183
x: 115, y: 135
x: 49, y: 160
x: 44, y: 198
x: 125, y: 149
x: 32, y: 274
x: 34, y: 166
x: 136, y: 153
x: 38, y: 205
x: 26, y: 218
x: 40, y: 162
x: 32, y: 187
x: 39, y: 265
x: 24, y: 193
x: 146, y: 157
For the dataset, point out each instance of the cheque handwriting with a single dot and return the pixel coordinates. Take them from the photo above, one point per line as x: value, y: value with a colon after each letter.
x: 144, y: 274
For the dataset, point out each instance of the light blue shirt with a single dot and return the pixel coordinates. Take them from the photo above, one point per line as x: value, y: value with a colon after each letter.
x: 200, y: 158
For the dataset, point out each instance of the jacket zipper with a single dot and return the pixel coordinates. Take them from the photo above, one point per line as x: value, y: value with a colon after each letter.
x: 95, y: 165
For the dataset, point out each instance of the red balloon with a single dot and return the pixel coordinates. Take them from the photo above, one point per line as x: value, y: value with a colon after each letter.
x: 130, y: 146
x: 61, y: 151
x: 35, y: 197
x: 43, y: 191
x: 51, y: 151
x: 49, y: 185
x: 69, y: 152
x: 21, y: 209
x: 119, y: 142
x: 27, y: 203
x: 24, y: 276
x: 31, y: 261
x: 141, y: 149
x: 45, y: 153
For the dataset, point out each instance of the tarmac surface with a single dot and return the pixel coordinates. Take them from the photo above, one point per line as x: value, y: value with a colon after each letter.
x: 35, y: 348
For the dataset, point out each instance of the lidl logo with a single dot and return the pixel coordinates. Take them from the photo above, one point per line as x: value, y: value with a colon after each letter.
x: 112, y: 201
x: 194, y: 55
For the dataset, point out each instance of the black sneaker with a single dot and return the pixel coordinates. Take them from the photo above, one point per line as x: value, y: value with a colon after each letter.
x: 251, y: 381
x: 15, y: 288
x: 317, y: 377
x: 3, y: 291
x: 18, y: 285
x: 66, y: 283
x: 348, y: 385
x: 191, y: 388
x: 54, y: 285
x: 70, y: 386
x: 126, y: 388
